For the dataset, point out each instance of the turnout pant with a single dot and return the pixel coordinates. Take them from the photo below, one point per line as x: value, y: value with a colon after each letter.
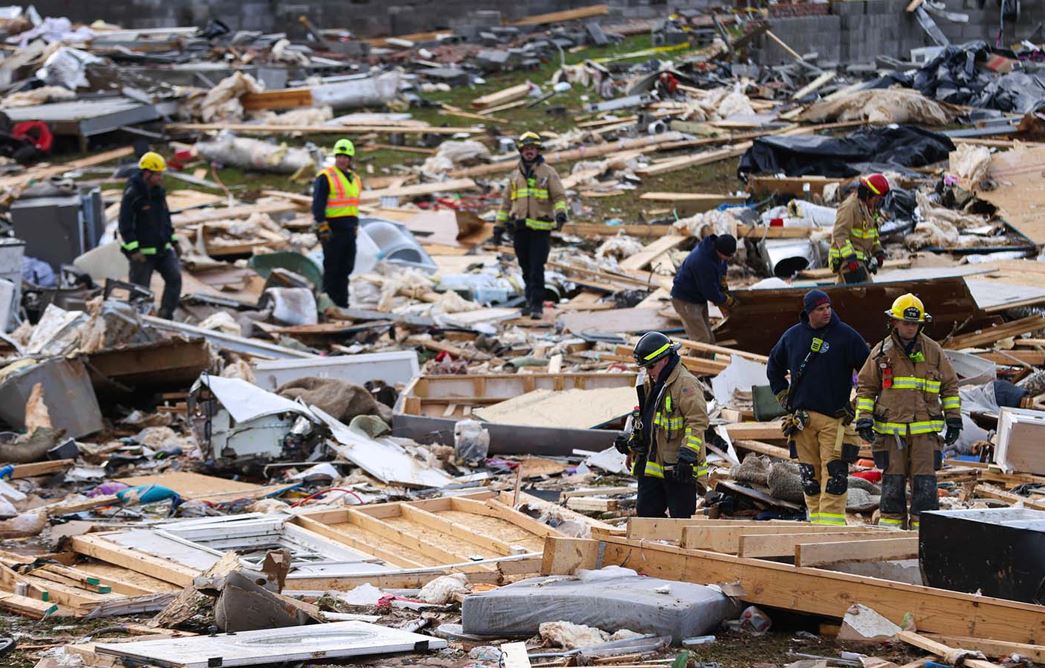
x: 917, y: 461
x: 531, y: 249
x: 659, y: 494
x: 694, y: 320
x: 166, y: 263
x: 339, y: 258
x: 824, y: 474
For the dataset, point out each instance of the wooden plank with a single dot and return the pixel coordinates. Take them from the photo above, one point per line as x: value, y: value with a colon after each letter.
x: 657, y: 528
x: 283, y: 98
x: 949, y: 654
x: 783, y: 45
x: 224, y: 213
x: 44, y: 173
x: 90, y: 579
x: 913, y: 5
x: 763, y: 448
x: 995, y: 648
x: 696, y: 160
x: 814, y: 85
x: 357, y: 542
x: 811, y: 590
x: 405, y: 538
x: 432, y: 520
x: 785, y: 545
x: 992, y: 492
x: 879, y: 549
x: 755, y: 431
x: 766, y: 232
x: 984, y: 337
x: 727, y: 539
x: 596, y: 229
x: 95, y: 545
x: 566, y: 15
x: 40, y: 468
x: 346, y: 130
x: 453, y: 185
x: 694, y: 202
x: 25, y: 606
x: 799, y: 186
x: 721, y: 350
x: 650, y: 253
x: 510, y: 94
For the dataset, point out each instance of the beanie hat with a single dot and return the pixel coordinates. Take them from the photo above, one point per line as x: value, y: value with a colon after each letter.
x: 813, y: 299
x: 726, y: 244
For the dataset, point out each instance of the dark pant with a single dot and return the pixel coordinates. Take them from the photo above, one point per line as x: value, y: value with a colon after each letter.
x: 339, y: 257
x: 531, y: 248
x: 170, y: 270
x: 659, y: 494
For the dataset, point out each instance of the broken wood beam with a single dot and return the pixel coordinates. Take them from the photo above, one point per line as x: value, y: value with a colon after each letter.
x: 510, y: 94
x: 983, y: 337
x: 721, y: 350
x: 787, y: 545
x: 756, y: 431
x: 727, y: 539
x: 566, y: 15
x: 41, y: 468
x: 956, y: 657
x: 763, y: 448
x: 263, y: 128
x: 807, y: 590
x: 879, y: 549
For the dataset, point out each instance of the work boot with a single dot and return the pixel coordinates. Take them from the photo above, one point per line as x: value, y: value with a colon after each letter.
x: 526, y: 310
x: 536, y: 312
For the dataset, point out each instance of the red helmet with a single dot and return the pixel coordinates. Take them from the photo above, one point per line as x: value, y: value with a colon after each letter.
x: 876, y: 183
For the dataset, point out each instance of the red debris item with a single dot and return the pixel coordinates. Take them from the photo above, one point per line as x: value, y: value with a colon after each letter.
x: 776, y: 222
x: 36, y: 132
x: 180, y: 159
x: 444, y: 356
x: 869, y: 476
x: 864, y: 464
x: 669, y: 82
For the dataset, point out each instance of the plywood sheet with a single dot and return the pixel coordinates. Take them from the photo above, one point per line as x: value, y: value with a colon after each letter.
x: 1020, y: 191
x: 572, y: 409
x: 619, y: 321
x: 191, y: 485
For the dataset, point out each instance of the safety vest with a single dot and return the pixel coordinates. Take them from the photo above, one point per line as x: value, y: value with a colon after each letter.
x: 343, y: 195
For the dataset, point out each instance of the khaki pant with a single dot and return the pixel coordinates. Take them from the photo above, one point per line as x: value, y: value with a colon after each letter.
x: 916, y: 462
x: 694, y: 320
x: 825, y: 477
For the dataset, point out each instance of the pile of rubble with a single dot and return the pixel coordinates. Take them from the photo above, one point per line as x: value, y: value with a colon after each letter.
x: 425, y: 471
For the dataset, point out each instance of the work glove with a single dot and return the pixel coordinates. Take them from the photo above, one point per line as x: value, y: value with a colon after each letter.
x: 560, y: 219
x: 622, y: 443
x: 684, y: 465
x: 954, y: 430
x: 498, y: 235
x: 836, y: 264
x: 781, y: 397
x: 322, y: 230
x: 852, y: 263
x: 731, y: 301
x: 865, y: 427
x: 872, y: 266
x: 792, y: 423
x: 138, y: 256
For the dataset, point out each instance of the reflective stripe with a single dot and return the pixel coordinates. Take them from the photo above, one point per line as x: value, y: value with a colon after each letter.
x: 833, y: 519
x: 915, y: 383
x: 812, y: 517
x: 653, y: 469
x: 131, y: 246
x: 845, y: 251
x: 540, y: 225
x: 657, y: 351
x: 890, y: 522
x: 502, y: 217
x: 560, y: 205
x: 343, y: 197
x: 864, y: 404
x: 860, y: 233
x: 536, y: 193
x: 700, y: 471
x: 911, y: 428
x: 667, y: 403
x: 950, y: 403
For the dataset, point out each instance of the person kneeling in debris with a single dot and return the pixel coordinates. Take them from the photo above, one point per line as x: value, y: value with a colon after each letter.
x: 906, y: 394
x: 534, y: 204
x: 702, y: 279
x: 665, y: 445
x: 856, y: 251
x: 147, y: 232
x: 821, y: 352
x: 335, y: 209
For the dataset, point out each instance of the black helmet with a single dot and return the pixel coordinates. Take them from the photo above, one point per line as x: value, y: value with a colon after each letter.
x: 652, y: 347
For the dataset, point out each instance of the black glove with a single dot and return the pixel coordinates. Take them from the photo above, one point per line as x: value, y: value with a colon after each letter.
x: 865, y: 427
x: 498, y: 235
x: 954, y: 430
x: 322, y: 230
x: 836, y: 264
x: 880, y: 256
x: 684, y: 465
x: 622, y: 443
x: 560, y: 218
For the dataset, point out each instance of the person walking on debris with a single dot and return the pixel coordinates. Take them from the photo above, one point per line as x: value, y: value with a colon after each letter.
x: 907, y: 393
x: 665, y: 440
x: 147, y: 232
x: 821, y: 353
x: 856, y: 251
x: 335, y: 209
x: 702, y: 279
x: 534, y: 204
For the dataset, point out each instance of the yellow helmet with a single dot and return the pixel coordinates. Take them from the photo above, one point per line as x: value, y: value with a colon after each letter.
x: 153, y: 162
x: 908, y: 308
x: 344, y: 147
x: 529, y: 139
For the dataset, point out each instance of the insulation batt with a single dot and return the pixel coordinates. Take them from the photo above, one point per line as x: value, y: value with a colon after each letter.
x: 255, y: 154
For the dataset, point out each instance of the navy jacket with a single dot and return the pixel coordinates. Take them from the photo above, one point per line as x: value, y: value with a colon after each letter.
x: 828, y: 379
x: 145, y: 221
x: 699, y: 279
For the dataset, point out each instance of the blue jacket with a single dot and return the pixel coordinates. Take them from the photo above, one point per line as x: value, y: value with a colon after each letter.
x: 699, y: 279
x: 827, y: 382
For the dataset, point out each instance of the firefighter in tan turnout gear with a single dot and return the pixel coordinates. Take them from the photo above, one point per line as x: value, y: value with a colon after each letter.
x: 856, y: 251
x: 665, y: 439
x: 534, y: 204
x: 907, y: 393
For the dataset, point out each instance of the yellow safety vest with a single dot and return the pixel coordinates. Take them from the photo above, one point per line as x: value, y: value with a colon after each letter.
x: 343, y: 197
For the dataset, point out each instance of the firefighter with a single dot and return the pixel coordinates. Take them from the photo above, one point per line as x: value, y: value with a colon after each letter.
x: 856, y: 251
x: 534, y: 204
x: 335, y: 210
x: 665, y: 443
x: 702, y: 279
x: 147, y: 232
x: 907, y: 393
x: 822, y: 353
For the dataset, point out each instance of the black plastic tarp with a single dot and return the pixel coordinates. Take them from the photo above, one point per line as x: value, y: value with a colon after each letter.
x: 867, y: 149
